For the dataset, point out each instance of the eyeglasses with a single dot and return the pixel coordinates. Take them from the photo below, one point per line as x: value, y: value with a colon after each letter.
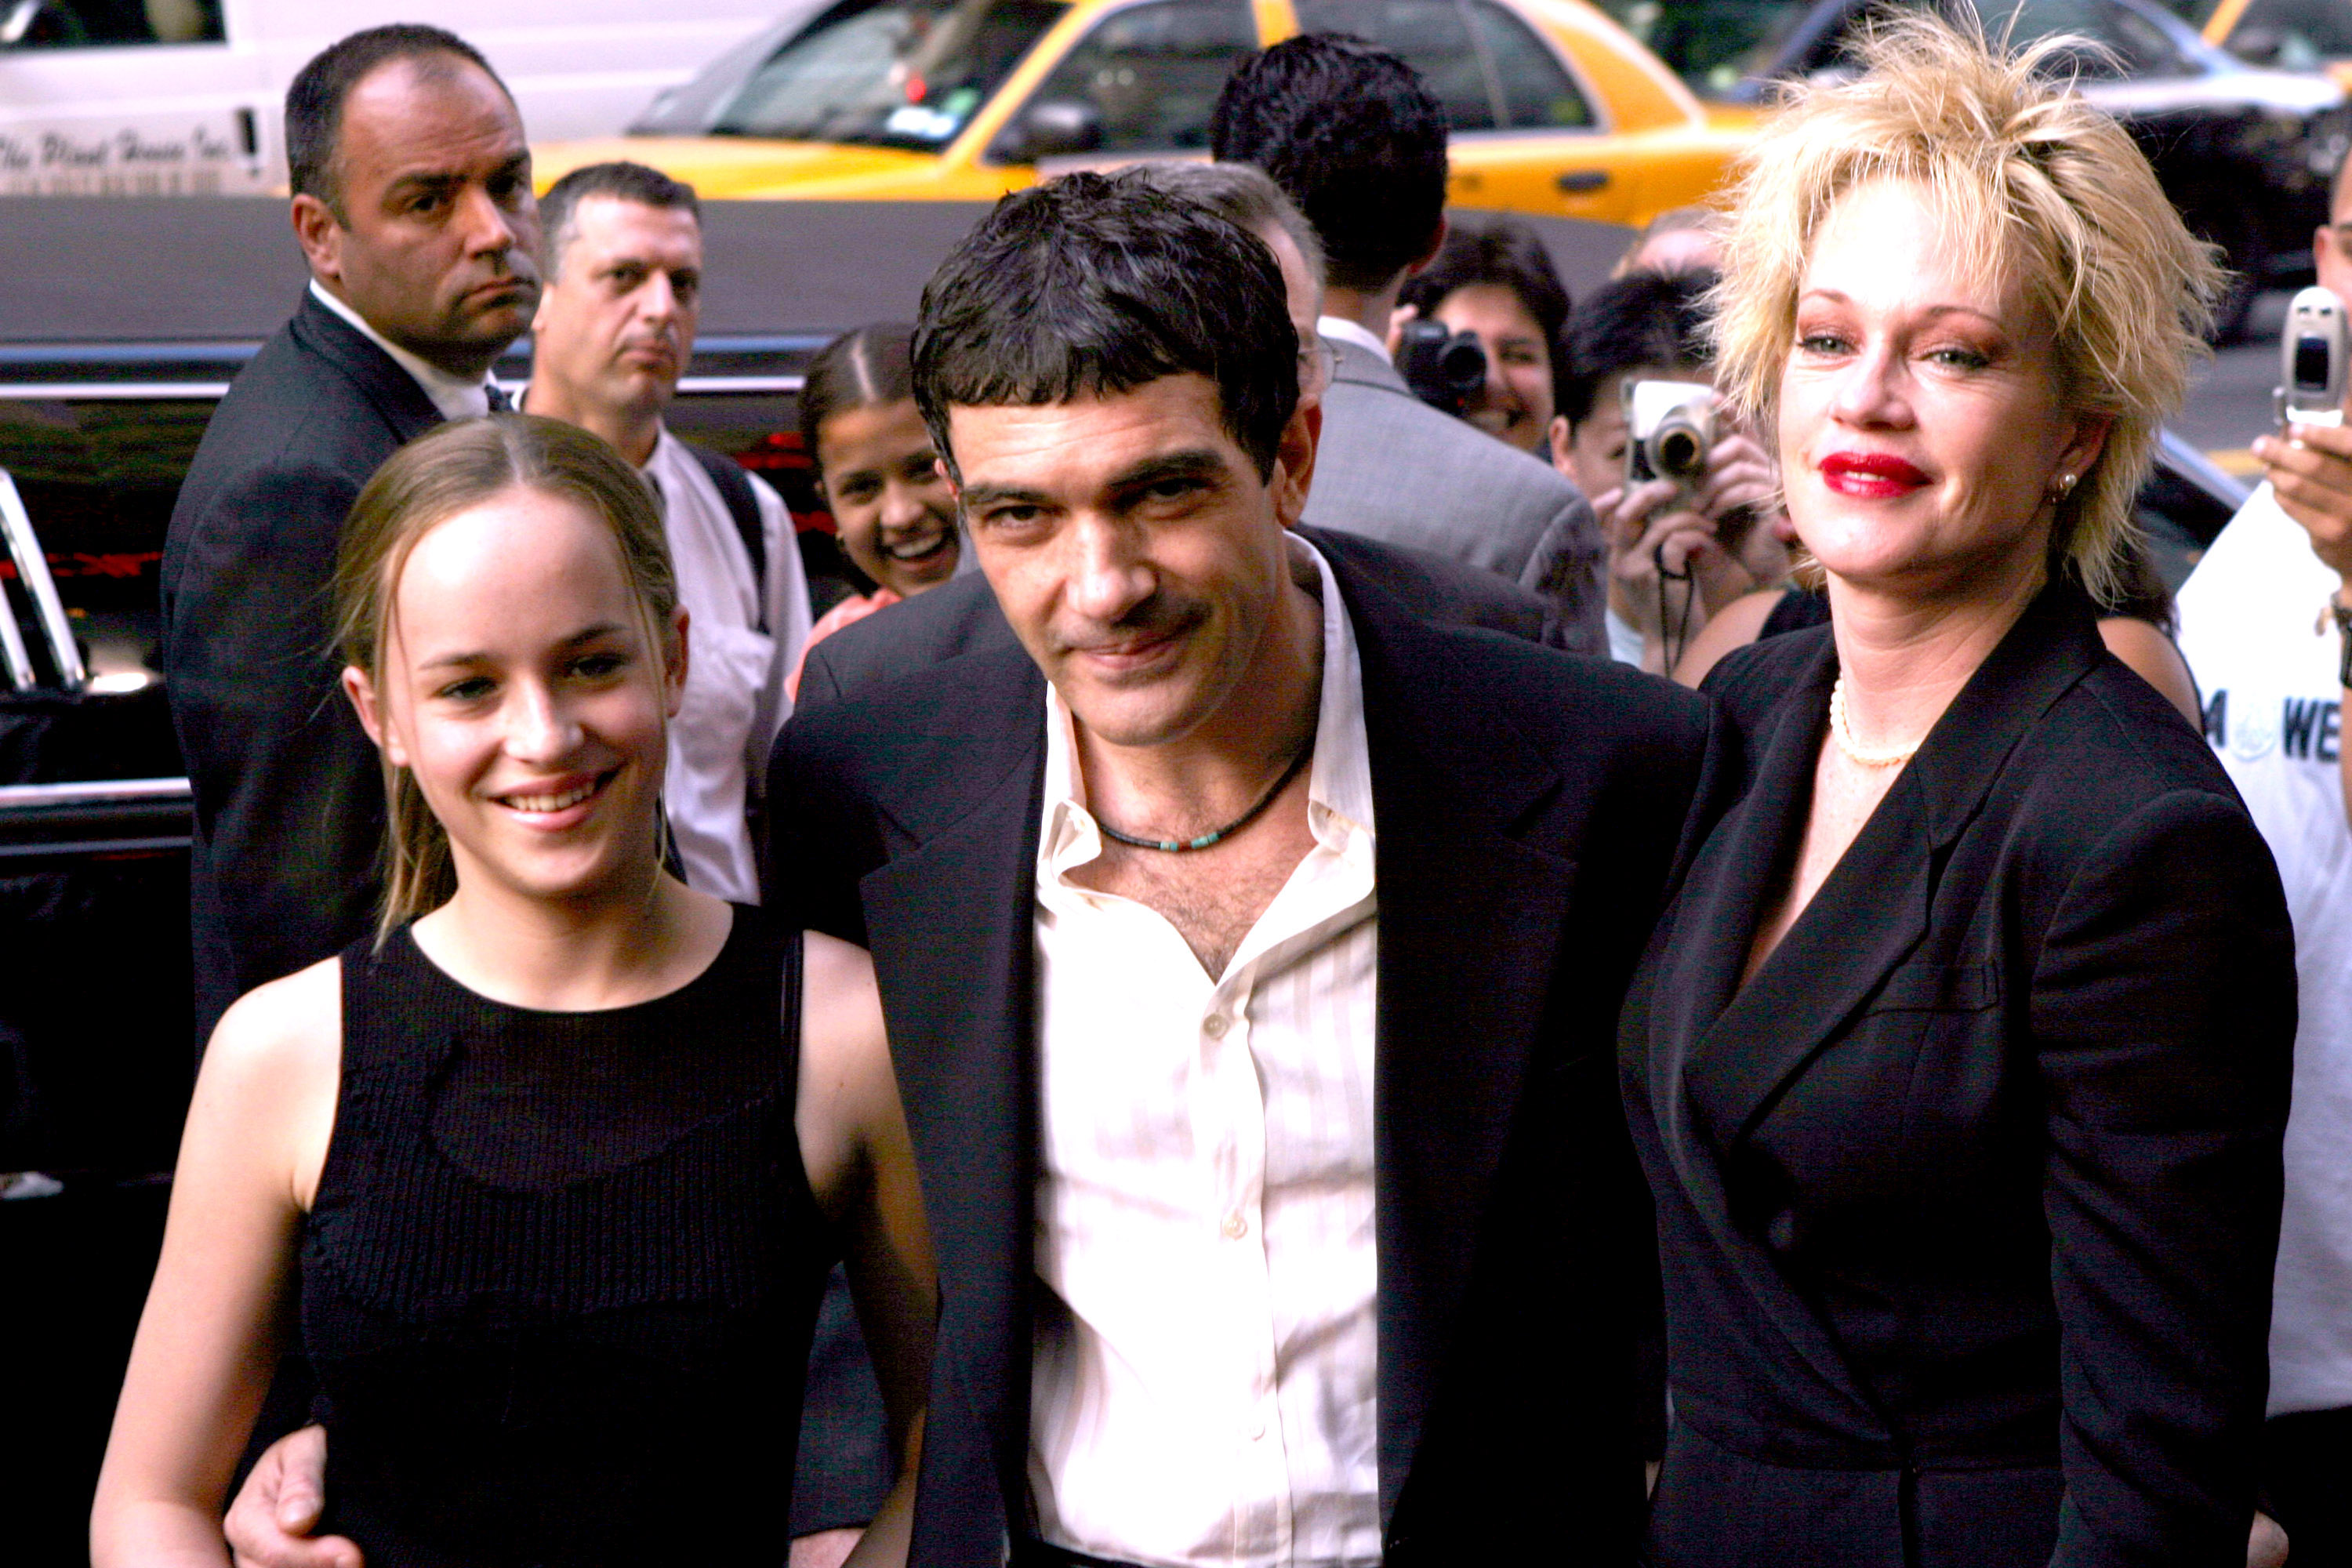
x: 1316, y: 364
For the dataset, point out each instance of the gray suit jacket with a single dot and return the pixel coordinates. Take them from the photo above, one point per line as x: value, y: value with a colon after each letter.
x: 1393, y: 469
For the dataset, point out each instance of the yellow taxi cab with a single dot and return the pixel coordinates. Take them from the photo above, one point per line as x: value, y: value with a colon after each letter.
x: 1555, y: 110
x: 2286, y: 35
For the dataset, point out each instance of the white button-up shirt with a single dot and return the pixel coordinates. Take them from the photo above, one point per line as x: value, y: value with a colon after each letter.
x: 1356, y: 332
x: 735, y: 700
x: 1206, y: 1366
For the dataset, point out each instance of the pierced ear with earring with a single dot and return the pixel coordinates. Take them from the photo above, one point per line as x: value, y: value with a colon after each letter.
x: 2060, y: 488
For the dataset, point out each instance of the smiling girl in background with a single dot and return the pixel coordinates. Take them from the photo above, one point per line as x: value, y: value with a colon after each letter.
x: 878, y: 473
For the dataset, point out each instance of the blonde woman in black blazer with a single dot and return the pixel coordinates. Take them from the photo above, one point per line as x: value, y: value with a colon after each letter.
x: 1960, y: 1067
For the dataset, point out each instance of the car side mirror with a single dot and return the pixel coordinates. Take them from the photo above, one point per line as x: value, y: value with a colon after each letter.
x: 1051, y: 127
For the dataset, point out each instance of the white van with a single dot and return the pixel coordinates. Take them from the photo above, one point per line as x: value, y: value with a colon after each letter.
x: 187, y: 96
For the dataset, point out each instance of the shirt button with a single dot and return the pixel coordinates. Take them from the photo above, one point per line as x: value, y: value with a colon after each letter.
x: 1237, y: 1225
x: 1216, y: 1025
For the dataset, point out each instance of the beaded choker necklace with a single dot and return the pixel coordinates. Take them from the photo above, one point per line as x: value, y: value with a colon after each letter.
x: 1178, y: 846
x: 1843, y: 733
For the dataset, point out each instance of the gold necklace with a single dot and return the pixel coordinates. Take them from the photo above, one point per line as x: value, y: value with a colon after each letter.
x: 1843, y: 733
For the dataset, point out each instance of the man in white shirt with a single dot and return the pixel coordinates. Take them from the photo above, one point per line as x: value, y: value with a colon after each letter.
x: 614, y: 331
x: 413, y: 205
x: 2263, y: 623
x: 1252, y: 948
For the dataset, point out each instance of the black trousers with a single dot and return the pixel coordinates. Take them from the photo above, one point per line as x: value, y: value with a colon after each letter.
x: 2307, y: 1485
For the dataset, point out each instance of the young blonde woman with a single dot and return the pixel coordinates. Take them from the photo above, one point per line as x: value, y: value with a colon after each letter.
x: 559, y: 1158
x: 1959, y: 1066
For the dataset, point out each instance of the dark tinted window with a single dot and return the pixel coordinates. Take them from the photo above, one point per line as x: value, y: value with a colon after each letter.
x: 85, y: 23
x: 98, y: 480
x: 2138, y: 47
x: 1433, y: 37
x: 1481, y: 62
x: 1152, y: 72
x: 1713, y: 45
x: 1536, y: 93
x: 2292, y: 35
x: 902, y: 73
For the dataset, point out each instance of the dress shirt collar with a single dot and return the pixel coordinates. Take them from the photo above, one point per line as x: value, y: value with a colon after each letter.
x: 455, y: 398
x: 1348, y: 332
x: 668, y: 454
x: 1339, y: 781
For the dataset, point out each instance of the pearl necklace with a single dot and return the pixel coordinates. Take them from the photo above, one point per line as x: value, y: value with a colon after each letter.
x: 1843, y: 733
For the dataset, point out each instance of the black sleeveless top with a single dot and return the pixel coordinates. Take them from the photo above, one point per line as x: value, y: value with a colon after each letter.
x: 559, y: 1279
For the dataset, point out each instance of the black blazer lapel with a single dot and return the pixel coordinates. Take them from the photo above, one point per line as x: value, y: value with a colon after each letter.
x: 1461, y: 991
x: 1742, y: 1043
x: 1736, y: 1051
x: 952, y: 937
x: 1872, y: 909
x: 379, y: 377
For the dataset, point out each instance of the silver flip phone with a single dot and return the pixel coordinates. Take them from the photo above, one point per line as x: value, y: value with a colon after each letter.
x: 2312, y: 355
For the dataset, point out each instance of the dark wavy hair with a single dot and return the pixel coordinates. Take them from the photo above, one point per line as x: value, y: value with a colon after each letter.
x: 1351, y: 134
x: 1093, y: 284
x: 1503, y: 252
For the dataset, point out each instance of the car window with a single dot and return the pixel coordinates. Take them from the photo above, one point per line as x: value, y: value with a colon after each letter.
x: 86, y: 24
x: 2292, y: 35
x: 893, y: 73
x: 1536, y: 93
x: 2138, y: 47
x: 1434, y: 36
x: 1712, y: 45
x: 1151, y: 73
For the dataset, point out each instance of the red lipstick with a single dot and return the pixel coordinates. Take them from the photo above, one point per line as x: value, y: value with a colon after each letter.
x: 1873, y: 475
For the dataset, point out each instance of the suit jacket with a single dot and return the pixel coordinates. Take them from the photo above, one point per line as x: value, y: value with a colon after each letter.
x: 1391, y: 468
x: 288, y: 796
x: 1530, y: 804
x: 1968, y: 1198
x: 961, y: 616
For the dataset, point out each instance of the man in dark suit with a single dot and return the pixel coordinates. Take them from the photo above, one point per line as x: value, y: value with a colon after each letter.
x: 1252, y: 946
x: 1353, y: 136
x: 413, y: 205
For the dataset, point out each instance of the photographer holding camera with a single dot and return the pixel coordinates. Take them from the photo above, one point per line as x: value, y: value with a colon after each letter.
x: 1477, y: 331
x: 1685, y: 505
x: 2263, y: 622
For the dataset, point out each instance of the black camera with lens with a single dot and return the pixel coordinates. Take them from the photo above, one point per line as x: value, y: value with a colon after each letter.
x: 1446, y: 370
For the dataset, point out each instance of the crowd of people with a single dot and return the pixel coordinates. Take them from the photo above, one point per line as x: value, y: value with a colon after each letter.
x: 1296, y: 978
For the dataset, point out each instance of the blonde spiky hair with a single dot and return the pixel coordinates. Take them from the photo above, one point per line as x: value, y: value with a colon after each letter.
x: 2030, y: 181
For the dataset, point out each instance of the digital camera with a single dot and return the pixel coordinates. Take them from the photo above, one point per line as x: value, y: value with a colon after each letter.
x: 1669, y: 430
x: 2312, y: 354
x: 1446, y: 370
